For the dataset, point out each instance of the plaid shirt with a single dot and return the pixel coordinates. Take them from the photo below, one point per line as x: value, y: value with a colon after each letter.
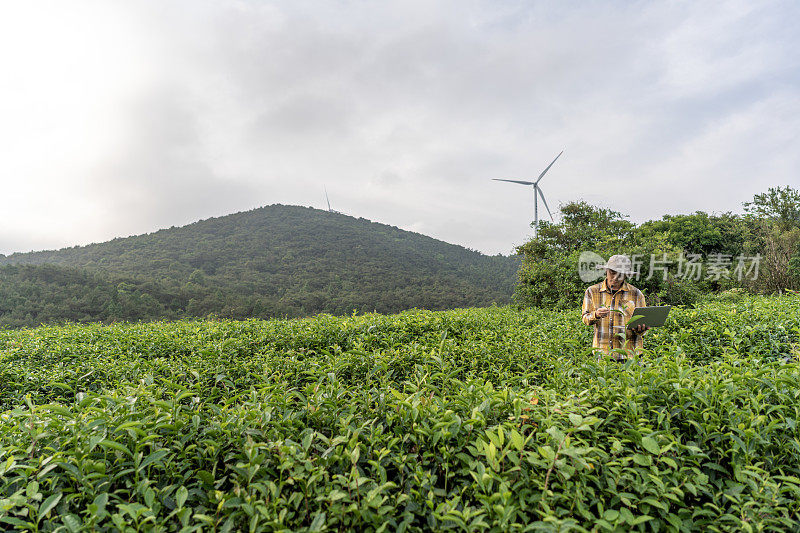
x: 626, y: 299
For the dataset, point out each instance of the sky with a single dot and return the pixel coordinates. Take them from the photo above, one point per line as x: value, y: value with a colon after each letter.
x: 119, y: 118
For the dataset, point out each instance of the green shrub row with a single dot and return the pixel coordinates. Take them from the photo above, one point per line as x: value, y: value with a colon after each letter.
x: 478, y: 419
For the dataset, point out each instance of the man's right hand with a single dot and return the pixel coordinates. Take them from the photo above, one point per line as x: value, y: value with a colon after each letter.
x: 602, y: 312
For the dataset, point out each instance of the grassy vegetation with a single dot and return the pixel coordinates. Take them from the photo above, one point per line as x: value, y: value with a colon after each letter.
x: 477, y: 419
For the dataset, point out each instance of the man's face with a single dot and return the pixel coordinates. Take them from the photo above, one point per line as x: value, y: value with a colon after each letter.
x: 614, y: 279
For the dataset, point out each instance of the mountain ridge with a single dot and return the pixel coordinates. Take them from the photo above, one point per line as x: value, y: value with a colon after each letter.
x: 275, y: 260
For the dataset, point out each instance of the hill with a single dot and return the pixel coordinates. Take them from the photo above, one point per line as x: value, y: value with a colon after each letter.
x: 272, y: 261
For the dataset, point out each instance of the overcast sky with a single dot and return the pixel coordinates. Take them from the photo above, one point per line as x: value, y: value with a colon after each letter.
x: 123, y: 117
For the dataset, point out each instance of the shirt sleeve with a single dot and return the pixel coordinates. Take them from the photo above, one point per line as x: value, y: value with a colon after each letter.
x: 588, y: 309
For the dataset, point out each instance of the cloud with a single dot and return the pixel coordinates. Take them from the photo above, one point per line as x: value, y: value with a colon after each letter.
x: 164, y: 175
x: 406, y: 110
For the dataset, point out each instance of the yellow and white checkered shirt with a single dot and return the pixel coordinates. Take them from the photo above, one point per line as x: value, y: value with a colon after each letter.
x: 626, y: 299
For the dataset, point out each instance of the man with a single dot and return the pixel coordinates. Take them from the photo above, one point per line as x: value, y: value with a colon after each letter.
x: 601, y: 303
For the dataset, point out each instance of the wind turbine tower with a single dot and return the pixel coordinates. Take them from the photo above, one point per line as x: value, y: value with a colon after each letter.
x: 537, y: 192
x: 329, y: 204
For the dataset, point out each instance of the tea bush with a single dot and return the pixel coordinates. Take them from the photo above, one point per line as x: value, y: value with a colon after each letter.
x: 478, y: 419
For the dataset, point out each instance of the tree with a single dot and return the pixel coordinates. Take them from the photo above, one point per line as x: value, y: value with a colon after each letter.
x: 794, y: 265
x: 780, y: 259
x: 582, y: 227
x: 698, y: 233
x: 549, y: 276
x: 779, y: 204
x: 774, y: 233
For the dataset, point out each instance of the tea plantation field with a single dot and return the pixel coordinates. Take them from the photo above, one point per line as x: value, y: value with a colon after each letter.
x: 466, y: 420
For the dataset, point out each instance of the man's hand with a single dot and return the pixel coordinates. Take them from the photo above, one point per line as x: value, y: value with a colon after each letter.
x: 641, y: 328
x: 602, y: 312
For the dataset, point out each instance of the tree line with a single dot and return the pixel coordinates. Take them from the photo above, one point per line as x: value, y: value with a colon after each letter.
x: 681, y: 258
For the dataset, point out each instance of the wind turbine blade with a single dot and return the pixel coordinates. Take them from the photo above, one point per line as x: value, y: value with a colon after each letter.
x: 541, y: 194
x: 516, y: 181
x: 548, y: 167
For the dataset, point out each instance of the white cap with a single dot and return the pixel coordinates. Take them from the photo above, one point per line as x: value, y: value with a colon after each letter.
x: 619, y: 263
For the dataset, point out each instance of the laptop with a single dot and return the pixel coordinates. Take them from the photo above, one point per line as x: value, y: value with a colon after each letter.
x: 650, y: 316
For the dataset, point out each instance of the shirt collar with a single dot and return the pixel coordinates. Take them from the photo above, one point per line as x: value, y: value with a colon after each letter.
x: 606, y: 288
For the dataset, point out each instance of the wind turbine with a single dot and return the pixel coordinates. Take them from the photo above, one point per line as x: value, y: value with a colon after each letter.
x: 537, y: 192
x: 329, y: 204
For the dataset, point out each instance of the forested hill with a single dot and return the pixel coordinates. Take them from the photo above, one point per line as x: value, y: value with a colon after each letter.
x: 272, y: 261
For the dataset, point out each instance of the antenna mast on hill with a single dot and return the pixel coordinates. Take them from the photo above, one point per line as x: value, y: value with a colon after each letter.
x: 537, y: 192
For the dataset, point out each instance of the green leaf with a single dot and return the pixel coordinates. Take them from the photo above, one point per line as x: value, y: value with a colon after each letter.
x: 152, y: 458
x: 23, y: 526
x: 180, y: 496
x: 307, y: 440
x: 556, y: 433
x: 59, y: 409
x: 655, y: 503
x: 204, y: 518
x: 318, y: 522
x: 32, y: 491
x: 105, y: 443
x: 675, y: 520
x: 634, y: 319
x: 73, y: 523
x: 336, y: 494
x: 48, y: 505
x: 517, y: 440
x: 641, y: 519
x: 206, y: 477
x: 94, y: 440
x: 101, y: 500
x: 650, y: 444
x: 149, y: 497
